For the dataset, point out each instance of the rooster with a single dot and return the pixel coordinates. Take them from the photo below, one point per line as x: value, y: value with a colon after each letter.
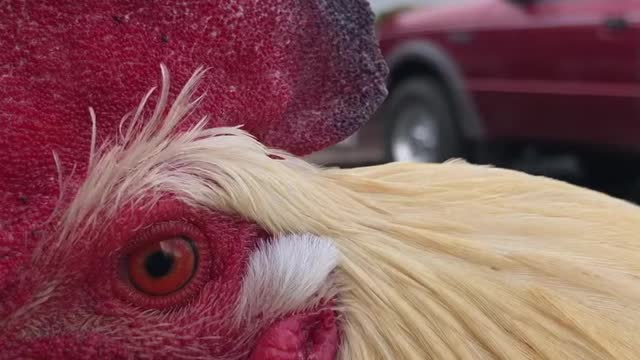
x: 163, y: 221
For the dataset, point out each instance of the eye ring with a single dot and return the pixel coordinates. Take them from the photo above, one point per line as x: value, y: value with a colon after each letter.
x: 174, y: 285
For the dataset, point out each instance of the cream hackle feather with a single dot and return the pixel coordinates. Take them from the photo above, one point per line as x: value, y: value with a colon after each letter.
x: 442, y: 261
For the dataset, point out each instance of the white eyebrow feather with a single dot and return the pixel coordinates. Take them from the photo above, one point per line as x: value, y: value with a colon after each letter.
x: 287, y: 274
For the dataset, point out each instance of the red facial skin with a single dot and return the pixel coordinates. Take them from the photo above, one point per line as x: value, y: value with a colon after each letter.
x: 304, y: 336
x: 91, y: 313
x: 298, y: 86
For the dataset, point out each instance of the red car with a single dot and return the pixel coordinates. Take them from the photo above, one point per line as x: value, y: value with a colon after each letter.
x: 488, y: 78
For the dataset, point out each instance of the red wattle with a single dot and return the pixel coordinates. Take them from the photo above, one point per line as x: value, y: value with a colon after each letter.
x: 300, y: 337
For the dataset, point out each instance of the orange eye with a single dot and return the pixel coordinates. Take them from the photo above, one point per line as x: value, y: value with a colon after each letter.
x: 162, y: 267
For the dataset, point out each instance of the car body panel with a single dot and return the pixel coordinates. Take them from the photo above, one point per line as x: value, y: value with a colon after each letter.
x: 555, y: 70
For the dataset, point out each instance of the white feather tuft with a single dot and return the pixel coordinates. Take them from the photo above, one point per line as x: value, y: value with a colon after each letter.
x: 289, y: 273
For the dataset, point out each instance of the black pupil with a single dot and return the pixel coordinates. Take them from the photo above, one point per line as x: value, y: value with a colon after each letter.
x: 158, y: 264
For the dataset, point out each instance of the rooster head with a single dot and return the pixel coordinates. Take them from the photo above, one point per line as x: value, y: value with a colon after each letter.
x: 159, y: 219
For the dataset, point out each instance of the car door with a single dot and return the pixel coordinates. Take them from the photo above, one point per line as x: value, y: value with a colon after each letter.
x: 557, y: 70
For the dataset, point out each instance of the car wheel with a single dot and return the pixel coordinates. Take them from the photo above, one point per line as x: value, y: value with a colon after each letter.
x: 420, y: 124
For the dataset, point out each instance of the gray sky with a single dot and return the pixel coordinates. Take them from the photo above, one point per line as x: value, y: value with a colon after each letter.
x: 384, y: 5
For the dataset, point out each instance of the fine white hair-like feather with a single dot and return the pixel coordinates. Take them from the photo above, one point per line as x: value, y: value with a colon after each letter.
x: 286, y: 274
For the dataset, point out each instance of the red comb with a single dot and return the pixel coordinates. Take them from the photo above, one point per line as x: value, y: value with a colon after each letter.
x: 299, y: 75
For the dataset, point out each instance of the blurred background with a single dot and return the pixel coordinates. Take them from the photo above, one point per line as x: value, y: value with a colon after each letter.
x: 550, y: 87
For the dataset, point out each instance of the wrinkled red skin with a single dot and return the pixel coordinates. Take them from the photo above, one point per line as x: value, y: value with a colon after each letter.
x: 313, y: 336
x: 299, y: 86
x: 286, y: 341
x: 224, y: 248
x: 308, y: 336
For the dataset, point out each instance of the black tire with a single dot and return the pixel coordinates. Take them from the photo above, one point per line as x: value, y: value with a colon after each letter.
x: 429, y: 96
